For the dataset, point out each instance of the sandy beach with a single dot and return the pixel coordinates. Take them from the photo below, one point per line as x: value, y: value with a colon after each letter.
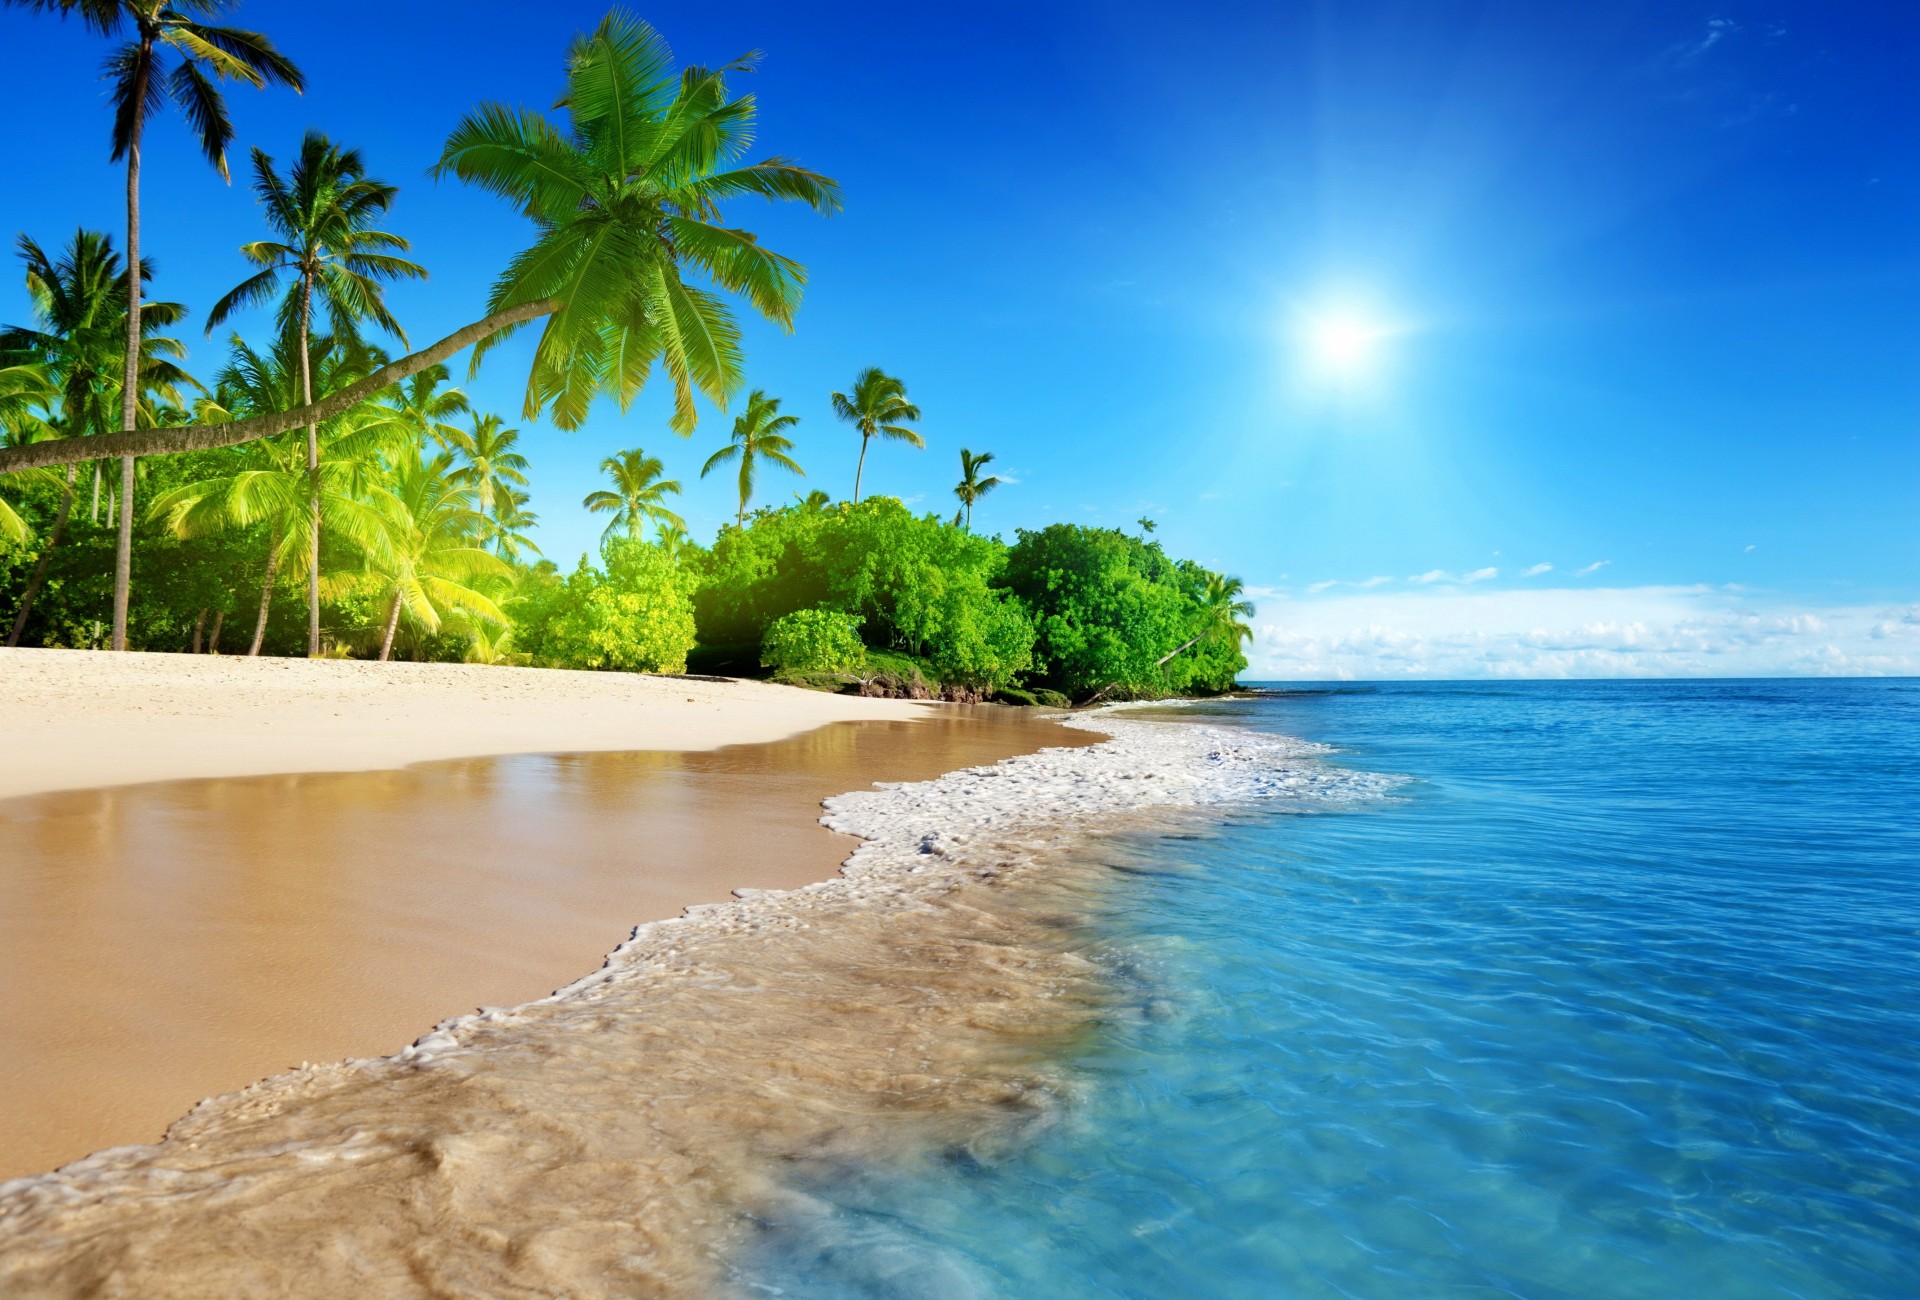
x: 76, y: 719
x: 165, y: 941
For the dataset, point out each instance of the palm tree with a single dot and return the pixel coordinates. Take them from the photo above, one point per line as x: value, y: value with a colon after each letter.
x: 270, y: 483
x: 323, y: 209
x: 493, y: 468
x: 1224, y: 606
x: 428, y: 554
x: 142, y: 85
x: 24, y: 389
x: 80, y: 303
x: 511, y: 520
x: 756, y: 436
x: 878, y: 405
x: 625, y: 202
x: 639, y: 494
x: 423, y: 410
x: 971, y: 486
x: 671, y: 538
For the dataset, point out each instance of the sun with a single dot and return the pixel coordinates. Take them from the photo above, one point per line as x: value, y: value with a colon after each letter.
x: 1344, y: 345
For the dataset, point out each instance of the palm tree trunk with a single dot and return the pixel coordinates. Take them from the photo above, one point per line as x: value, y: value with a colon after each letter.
x: 266, y: 596
x: 393, y: 625
x: 231, y: 433
x: 93, y: 511
x: 213, y: 638
x: 860, y: 468
x: 1162, y: 660
x: 40, y: 566
x: 199, y: 626
x: 130, y: 374
x: 313, y: 470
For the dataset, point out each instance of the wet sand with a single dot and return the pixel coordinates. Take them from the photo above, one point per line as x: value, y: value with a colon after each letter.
x: 165, y: 942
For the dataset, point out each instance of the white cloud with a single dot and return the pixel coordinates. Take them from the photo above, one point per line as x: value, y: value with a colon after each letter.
x: 1431, y: 575
x: 1378, y: 580
x: 1537, y: 570
x: 1595, y: 567
x: 1314, y: 587
x: 1478, y: 575
x: 1445, y: 632
x: 123, y: 350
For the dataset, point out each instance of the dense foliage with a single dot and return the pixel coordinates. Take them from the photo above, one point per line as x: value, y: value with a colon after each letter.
x: 311, y: 496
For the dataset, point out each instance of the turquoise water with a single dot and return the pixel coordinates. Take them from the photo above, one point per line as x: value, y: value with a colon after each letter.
x: 1618, y: 995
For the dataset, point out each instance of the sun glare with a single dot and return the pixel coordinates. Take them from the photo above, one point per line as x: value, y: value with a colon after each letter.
x: 1343, y: 346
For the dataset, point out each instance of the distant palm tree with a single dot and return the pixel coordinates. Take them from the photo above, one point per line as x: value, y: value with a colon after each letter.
x: 426, y: 555
x: 814, y: 500
x: 639, y: 494
x: 511, y: 520
x: 971, y: 486
x: 625, y: 200
x: 142, y: 84
x: 323, y: 209
x: 757, y: 436
x: 672, y: 539
x: 491, y: 465
x: 80, y: 304
x: 878, y: 405
x: 1224, y: 605
x: 423, y: 410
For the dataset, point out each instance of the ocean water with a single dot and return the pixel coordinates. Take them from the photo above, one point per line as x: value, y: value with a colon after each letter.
x: 1616, y: 994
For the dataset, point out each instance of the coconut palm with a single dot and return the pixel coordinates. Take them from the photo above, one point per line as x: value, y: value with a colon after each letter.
x: 323, y: 209
x: 24, y: 392
x: 268, y: 482
x: 625, y: 199
x: 639, y: 494
x: 757, y: 436
x: 672, y: 539
x: 1224, y: 606
x: 877, y: 405
x: 423, y: 411
x: 491, y: 466
x: 160, y: 33
x: 971, y: 486
x: 511, y: 520
x: 428, y: 554
x: 80, y: 317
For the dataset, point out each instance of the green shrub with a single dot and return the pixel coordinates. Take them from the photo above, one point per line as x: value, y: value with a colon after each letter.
x: 637, y: 616
x: 814, y: 641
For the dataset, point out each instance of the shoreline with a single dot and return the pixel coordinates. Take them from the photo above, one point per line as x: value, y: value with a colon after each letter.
x: 624, y: 1131
x: 89, y: 719
x: 169, y: 941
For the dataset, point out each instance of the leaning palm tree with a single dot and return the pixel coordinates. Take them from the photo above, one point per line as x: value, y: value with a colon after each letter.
x: 323, y: 209
x: 757, y: 436
x: 142, y: 82
x: 1224, y: 608
x: 80, y: 302
x: 491, y: 467
x: 971, y: 486
x: 877, y: 405
x: 625, y: 199
x: 429, y: 554
x: 639, y: 494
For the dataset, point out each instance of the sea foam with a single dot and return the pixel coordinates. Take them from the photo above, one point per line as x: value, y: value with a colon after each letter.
x: 623, y: 1134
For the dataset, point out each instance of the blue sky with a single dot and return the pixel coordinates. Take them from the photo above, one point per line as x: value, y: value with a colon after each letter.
x: 1642, y: 282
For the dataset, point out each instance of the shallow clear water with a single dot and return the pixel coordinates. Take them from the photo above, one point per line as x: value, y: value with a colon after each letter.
x: 1617, y: 995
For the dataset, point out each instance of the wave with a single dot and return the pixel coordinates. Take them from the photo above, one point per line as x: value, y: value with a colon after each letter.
x: 629, y: 1132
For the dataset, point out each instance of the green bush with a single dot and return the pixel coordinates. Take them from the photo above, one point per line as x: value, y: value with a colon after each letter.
x: 637, y: 616
x: 814, y: 641
x: 1108, y: 608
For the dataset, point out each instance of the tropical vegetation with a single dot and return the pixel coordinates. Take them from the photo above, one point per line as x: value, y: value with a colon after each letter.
x: 311, y: 494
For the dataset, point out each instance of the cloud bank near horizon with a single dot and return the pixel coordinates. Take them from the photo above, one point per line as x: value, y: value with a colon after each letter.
x: 1656, y: 631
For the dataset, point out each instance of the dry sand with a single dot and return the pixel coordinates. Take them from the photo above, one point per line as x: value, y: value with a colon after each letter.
x: 77, y: 719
